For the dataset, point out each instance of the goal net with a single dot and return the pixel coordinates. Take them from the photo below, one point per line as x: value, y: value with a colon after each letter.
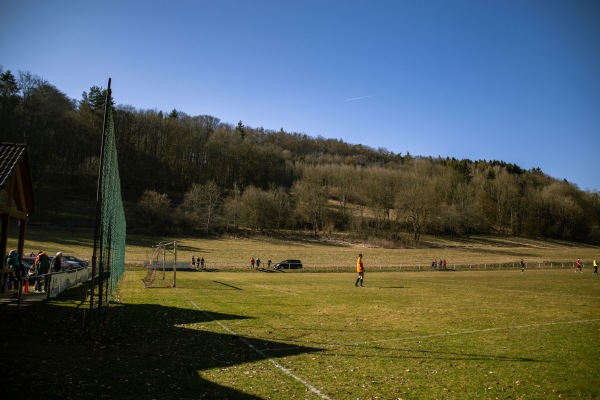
x: 160, y: 266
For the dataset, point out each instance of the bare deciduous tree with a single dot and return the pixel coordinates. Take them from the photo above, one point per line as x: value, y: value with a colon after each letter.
x: 202, y: 202
x: 311, y: 198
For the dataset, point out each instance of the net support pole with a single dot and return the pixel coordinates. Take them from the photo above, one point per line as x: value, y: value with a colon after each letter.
x: 164, y: 251
x: 175, y: 264
x: 98, y: 231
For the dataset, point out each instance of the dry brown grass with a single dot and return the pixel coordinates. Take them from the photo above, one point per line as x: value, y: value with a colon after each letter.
x: 335, y: 250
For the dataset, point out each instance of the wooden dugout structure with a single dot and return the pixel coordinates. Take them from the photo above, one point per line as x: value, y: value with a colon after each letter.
x: 16, y: 194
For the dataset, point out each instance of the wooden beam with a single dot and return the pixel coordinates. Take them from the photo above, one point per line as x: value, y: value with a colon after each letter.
x: 3, y: 242
x: 21, y: 191
x: 13, y: 212
x: 21, y: 244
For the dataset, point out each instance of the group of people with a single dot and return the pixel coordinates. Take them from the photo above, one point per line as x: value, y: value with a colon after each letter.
x: 578, y: 266
x: 360, y: 268
x: 438, y: 264
x: 39, y: 270
x: 257, y: 262
x: 200, y: 262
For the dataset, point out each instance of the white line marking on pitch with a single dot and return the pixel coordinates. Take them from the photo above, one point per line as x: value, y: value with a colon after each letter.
x: 275, y: 289
x: 269, y: 288
x: 258, y: 351
x: 468, y: 332
x: 453, y: 285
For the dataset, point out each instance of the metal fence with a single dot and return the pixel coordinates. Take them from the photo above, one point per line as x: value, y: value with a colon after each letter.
x: 224, y: 265
x: 58, y: 282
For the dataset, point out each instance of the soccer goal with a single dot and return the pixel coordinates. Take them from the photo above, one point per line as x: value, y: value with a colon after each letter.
x: 161, y: 270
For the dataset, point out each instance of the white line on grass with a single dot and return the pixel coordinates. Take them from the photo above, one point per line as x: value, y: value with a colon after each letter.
x: 553, y: 294
x: 258, y: 351
x: 466, y: 332
x: 270, y: 288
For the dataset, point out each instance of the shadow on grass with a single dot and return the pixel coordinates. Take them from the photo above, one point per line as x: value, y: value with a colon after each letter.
x: 207, y: 270
x: 137, y: 351
x: 269, y: 271
x: 454, y: 356
x: 228, y: 285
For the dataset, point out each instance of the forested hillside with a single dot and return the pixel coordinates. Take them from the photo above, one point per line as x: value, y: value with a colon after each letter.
x: 196, y: 175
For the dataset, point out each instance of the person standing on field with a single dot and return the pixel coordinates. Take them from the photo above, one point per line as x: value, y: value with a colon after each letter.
x: 522, y: 266
x: 595, y: 266
x: 42, y: 267
x: 13, y: 262
x: 360, y: 268
x: 577, y: 266
x: 56, y: 265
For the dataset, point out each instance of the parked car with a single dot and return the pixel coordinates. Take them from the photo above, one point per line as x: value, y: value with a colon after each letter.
x: 27, y: 261
x: 289, y: 264
x: 73, y: 259
x: 68, y: 265
x: 64, y: 265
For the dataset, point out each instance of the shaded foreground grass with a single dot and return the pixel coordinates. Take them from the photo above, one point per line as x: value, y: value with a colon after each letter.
x: 260, y: 335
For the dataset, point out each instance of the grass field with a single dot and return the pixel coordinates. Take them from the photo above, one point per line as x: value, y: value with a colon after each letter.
x: 326, y: 252
x: 274, y: 335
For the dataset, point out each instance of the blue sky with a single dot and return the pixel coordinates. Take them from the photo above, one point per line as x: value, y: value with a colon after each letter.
x: 511, y: 80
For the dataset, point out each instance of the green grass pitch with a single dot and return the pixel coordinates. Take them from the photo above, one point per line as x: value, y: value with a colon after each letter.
x: 403, y: 335
x: 284, y: 335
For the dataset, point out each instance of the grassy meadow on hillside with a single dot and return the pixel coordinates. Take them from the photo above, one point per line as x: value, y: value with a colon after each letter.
x: 332, y: 251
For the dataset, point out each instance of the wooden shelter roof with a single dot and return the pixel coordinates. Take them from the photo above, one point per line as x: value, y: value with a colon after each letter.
x: 16, y: 186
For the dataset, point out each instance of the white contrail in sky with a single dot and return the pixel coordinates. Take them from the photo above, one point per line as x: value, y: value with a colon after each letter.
x: 359, y: 98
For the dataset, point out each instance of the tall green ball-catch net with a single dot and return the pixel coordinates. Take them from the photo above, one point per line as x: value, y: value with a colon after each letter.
x: 108, y: 260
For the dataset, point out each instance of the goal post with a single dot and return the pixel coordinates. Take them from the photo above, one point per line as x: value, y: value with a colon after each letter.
x: 163, y: 258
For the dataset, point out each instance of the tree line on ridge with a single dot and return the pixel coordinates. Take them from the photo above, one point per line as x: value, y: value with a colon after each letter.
x: 197, y: 175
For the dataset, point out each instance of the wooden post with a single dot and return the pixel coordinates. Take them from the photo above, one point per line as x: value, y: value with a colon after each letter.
x: 4, y: 235
x: 175, y: 264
